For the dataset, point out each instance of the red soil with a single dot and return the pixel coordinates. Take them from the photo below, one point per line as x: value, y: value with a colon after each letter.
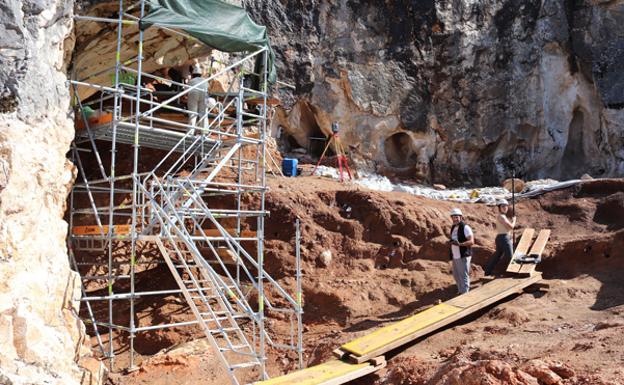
x: 390, y: 259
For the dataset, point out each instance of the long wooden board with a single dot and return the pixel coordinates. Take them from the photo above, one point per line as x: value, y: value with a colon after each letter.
x: 536, y: 251
x: 376, y: 340
x: 334, y: 372
x: 521, y: 249
x: 373, y: 346
x: 396, y: 335
x: 231, y: 231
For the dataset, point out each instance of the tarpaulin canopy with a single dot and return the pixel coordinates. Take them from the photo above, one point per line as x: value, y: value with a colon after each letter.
x: 223, y: 26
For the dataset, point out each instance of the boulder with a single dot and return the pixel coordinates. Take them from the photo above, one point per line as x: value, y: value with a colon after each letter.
x: 518, y: 185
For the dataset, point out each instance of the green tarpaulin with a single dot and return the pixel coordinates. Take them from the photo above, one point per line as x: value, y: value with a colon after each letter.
x: 220, y: 25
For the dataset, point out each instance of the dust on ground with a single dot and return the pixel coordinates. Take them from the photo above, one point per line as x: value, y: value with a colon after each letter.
x: 388, y: 258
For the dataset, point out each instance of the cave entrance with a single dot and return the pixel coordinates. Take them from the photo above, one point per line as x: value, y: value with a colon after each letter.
x: 398, y: 149
x: 317, y: 141
x: 573, y: 160
x: 304, y: 132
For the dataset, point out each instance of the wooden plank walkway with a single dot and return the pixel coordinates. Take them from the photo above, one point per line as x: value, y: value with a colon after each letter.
x: 522, y: 250
x: 393, y: 336
x: 536, y: 251
x: 332, y: 372
x: 357, y: 357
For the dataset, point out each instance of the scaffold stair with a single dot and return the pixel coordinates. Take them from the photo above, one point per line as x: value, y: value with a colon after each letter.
x: 214, y: 308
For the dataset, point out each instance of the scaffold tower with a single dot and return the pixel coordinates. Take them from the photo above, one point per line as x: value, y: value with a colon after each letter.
x: 160, y: 184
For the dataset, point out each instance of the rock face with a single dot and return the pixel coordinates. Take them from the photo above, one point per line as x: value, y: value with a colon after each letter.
x: 96, y: 46
x: 458, y: 91
x: 41, y: 336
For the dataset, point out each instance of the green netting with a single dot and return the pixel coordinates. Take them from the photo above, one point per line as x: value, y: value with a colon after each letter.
x: 220, y: 25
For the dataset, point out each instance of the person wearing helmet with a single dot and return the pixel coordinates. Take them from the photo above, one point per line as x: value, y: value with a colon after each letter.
x: 503, y: 240
x: 196, y: 101
x: 462, y: 239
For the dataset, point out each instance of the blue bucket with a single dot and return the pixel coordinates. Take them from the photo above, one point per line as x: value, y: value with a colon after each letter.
x: 289, y: 167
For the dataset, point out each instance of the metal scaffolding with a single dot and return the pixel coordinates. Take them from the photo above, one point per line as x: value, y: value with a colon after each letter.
x: 157, y: 188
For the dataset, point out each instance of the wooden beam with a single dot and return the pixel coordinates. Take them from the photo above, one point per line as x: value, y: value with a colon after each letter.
x: 536, y: 251
x: 376, y: 341
x: 334, y: 372
x: 521, y: 249
x: 394, y: 336
x: 231, y: 231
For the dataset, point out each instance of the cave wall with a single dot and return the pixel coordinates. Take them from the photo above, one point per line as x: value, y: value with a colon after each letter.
x: 478, y: 87
x: 41, y: 336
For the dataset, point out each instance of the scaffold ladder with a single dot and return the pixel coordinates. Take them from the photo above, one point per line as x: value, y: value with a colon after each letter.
x: 215, y: 313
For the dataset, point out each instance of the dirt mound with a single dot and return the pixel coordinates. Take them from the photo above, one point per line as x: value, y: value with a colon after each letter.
x: 511, y: 314
x: 600, y: 187
x: 610, y: 211
x: 477, y: 368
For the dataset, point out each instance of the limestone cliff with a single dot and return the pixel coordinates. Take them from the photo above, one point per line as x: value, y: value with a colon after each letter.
x: 457, y: 91
x: 41, y: 336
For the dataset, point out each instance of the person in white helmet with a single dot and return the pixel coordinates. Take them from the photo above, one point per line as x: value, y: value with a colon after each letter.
x: 197, y: 97
x: 462, y: 239
x: 504, y: 227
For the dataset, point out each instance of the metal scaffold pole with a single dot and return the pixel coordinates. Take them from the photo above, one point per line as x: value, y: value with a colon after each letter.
x: 116, y: 116
x: 135, y: 182
x: 299, y: 293
x: 189, y: 207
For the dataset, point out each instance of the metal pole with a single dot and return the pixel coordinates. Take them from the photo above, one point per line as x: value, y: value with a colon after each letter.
x: 299, y: 293
x: 116, y: 118
x: 513, y: 204
x: 261, y: 230
x: 239, y: 131
x: 70, y: 252
x: 135, y: 181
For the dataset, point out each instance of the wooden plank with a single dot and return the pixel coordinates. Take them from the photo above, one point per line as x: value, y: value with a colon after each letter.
x: 536, y: 251
x: 260, y: 100
x: 521, y: 249
x: 334, y: 372
x: 95, y: 230
x: 183, y: 118
x: 376, y: 340
x: 484, y: 296
x: 230, y: 140
x: 484, y: 292
x: 232, y: 232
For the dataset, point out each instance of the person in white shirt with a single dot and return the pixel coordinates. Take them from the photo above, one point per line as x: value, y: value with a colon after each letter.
x: 462, y: 239
x: 503, y: 240
x: 197, y: 97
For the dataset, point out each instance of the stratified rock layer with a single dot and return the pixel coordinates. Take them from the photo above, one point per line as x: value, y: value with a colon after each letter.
x: 41, y: 336
x: 457, y: 91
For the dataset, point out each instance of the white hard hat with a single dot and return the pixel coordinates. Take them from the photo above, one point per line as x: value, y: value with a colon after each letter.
x: 211, y: 102
x: 196, y: 69
x: 455, y: 212
x: 502, y: 202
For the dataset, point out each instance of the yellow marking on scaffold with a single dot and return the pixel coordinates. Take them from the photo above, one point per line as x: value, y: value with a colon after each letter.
x: 95, y: 230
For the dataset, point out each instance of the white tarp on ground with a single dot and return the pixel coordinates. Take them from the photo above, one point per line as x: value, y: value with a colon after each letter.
x: 486, y: 195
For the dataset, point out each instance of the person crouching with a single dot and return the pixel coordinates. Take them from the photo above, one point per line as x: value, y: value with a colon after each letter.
x: 462, y: 239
